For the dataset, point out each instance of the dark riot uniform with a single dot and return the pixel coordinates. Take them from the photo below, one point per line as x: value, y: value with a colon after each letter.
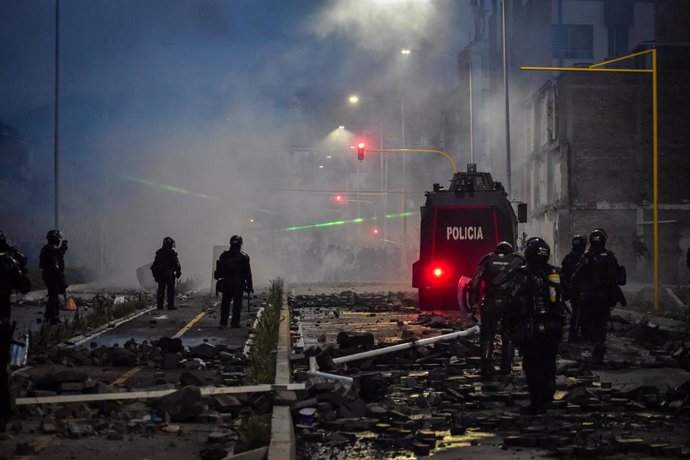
x: 166, y: 268
x: 596, y: 281
x: 495, y: 298
x: 7, y: 248
x: 234, y: 275
x: 570, y: 261
x: 535, y: 318
x: 52, y: 262
x: 11, y: 278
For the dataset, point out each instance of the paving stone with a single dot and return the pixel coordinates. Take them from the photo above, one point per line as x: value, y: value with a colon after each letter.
x: 213, y: 453
x: 219, y: 437
x: 78, y: 430
x: 182, y: 405
x: 348, y: 339
x: 72, y: 387
x: 228, y: 403
x: 171, y: 360
x: 169, y: 345
x: 205, y: 351
x: 195, y: 378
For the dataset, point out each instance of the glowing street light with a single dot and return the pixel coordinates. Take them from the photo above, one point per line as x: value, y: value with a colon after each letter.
x: 405, y: 51
x: 354, y: 99
x: 341, y: 127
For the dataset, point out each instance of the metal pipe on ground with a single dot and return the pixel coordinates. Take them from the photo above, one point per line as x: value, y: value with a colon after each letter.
x: 347, y: 382
x: 407, y: 345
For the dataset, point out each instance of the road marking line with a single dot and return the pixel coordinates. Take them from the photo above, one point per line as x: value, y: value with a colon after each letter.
x: 189, y: 325
x: 124, y: 377
x: 130, y: 373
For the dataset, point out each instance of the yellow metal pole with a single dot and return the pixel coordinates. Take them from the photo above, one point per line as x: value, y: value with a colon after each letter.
x: 655, y: 141
x: 585, y: 69
x: 622, y: 58
x: 437, y: 152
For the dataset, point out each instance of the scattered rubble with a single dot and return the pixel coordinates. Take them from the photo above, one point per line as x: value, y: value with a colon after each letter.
x: 427, y: 400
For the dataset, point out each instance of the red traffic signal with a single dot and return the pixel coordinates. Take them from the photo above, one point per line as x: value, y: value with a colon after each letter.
x: 360, y: 151
x: 338, y: 198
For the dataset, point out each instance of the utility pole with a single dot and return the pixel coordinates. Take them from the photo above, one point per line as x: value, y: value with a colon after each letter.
x: 507, y: 102
x: 56, y: 134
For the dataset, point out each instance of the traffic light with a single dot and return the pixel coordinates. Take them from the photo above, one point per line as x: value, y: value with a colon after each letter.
x: 338, y: 198
x: 375, y: 231
x: 360, y: 151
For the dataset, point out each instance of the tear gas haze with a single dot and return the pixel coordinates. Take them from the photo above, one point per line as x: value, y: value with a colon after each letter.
x: 204, y: 119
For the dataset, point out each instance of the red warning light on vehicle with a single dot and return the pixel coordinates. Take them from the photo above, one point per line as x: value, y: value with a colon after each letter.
x: 437, y: 272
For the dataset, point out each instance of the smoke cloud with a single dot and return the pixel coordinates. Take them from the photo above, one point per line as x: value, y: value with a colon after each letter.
x: 200, y: 120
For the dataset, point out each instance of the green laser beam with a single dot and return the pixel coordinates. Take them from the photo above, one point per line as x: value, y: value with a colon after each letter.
x: 359, y: 220
x: 404, y: 214
x: 167, y: 187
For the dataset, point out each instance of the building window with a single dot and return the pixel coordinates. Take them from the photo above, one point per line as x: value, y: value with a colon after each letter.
x: 573, y: 41
x: 618, y: 41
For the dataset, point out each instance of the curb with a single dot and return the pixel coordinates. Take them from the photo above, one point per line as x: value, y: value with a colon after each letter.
x: 282, y: 445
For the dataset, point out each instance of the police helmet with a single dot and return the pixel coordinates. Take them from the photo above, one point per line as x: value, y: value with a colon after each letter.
x: 168, y: 242
x: 235, y: 240
x: 54, y: 236
x: 537, y: 251
x: 598, y: 236
x: 504, y: 248
x: 579, y: 242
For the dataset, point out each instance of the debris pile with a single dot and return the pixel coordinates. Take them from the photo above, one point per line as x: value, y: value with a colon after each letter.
x: 430, y: 399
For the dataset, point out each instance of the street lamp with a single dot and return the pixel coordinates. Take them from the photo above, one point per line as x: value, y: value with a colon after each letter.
x: 405, y: 51
x: 354, y: 99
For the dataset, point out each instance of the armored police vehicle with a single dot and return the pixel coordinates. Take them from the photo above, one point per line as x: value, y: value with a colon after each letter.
x: 459, y: 226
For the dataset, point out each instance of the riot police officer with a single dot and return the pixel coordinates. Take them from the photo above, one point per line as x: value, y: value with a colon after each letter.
x: 491, y: 265
x: 234, y: 275
x: 52, y: 262
x: 166, y: 269
x: 534, y: 317
x: 579, y: 245
x: 596, y: 280
x: 7, y: 248
x: 11, y: 278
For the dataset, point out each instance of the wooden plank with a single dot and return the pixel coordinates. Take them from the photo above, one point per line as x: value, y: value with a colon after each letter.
x: 206, y: 391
